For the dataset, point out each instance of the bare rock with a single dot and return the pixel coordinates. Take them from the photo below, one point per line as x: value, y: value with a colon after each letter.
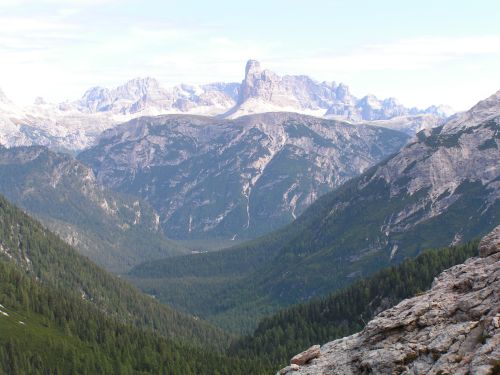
x: 287, y: 369
x: 490, y: 244
x: 454, y: 328
x: 306, y: 356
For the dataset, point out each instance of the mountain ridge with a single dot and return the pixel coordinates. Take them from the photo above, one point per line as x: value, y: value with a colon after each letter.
x: 227, y: 178
x: 115, y: 230
x: 75, y: 125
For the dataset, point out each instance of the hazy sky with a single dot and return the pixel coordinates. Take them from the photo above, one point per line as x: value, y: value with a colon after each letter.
x: 422, y: 52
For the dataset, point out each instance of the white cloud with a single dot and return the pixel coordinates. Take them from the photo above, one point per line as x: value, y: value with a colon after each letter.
x: 408, y: 54
x: 61, y: 57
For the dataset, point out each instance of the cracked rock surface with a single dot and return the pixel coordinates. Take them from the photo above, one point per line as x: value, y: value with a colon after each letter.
x: 454, y: 328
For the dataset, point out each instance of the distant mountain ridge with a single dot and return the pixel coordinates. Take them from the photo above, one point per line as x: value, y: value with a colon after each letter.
x: 265, y: 91
x: 74, y: 125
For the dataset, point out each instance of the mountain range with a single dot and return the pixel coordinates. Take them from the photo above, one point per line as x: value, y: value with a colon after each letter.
x: 75, y: 125
x: 337, y: 208
x: 441, y: 188
x: 238, y: 178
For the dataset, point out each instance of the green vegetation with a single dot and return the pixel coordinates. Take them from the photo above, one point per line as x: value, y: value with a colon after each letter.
x: 49, y: 332
x: 369, y: 223
x: 58, y: 266
x: 337, y: 240
x: 65, y: 315
x: 290, y: 331
x: 62, y: 314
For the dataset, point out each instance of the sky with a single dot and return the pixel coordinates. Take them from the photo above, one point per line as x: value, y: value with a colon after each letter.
x: 421, y: 52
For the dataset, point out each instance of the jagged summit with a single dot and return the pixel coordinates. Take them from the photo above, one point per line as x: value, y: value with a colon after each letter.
x: 265, y: 91
x: 252, y: 67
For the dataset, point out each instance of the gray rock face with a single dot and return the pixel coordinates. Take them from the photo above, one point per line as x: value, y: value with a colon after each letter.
x: 146, y: 94
x: 454, y: 328
x: 288, y: 369
x: 490, y: 244
x: 115, y: 231
x: 242, y: 177
x: 441, y: 160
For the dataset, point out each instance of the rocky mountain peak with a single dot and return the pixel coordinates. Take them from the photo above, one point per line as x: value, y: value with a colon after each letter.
x: 454, y: 328
x: 252, y: 68
x: 440, y: 110
x: 484, y: 110
x: 74, y: 125
x: 137, y: 87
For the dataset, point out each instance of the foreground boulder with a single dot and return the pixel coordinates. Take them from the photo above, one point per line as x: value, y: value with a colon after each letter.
x: 306, y: 356
x: 454, y: 328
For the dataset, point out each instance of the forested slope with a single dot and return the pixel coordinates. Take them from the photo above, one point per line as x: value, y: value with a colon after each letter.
x: 44, y: 256
x: 292, y: 330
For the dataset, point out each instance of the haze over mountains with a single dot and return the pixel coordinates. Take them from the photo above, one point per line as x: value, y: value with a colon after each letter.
x: 177, y: 207
x: 74, y: 125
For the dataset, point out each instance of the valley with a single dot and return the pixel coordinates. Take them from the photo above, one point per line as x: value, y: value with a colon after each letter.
x: 413, y: 201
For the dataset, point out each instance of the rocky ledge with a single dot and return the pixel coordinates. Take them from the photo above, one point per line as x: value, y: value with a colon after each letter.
x: 454, y: 328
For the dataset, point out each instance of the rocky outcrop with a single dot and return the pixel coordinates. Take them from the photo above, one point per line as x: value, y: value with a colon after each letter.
x: 454, y: 328
x: 490, y: 243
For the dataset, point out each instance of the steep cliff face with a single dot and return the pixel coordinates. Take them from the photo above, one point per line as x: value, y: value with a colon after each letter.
x: 454, y: 328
